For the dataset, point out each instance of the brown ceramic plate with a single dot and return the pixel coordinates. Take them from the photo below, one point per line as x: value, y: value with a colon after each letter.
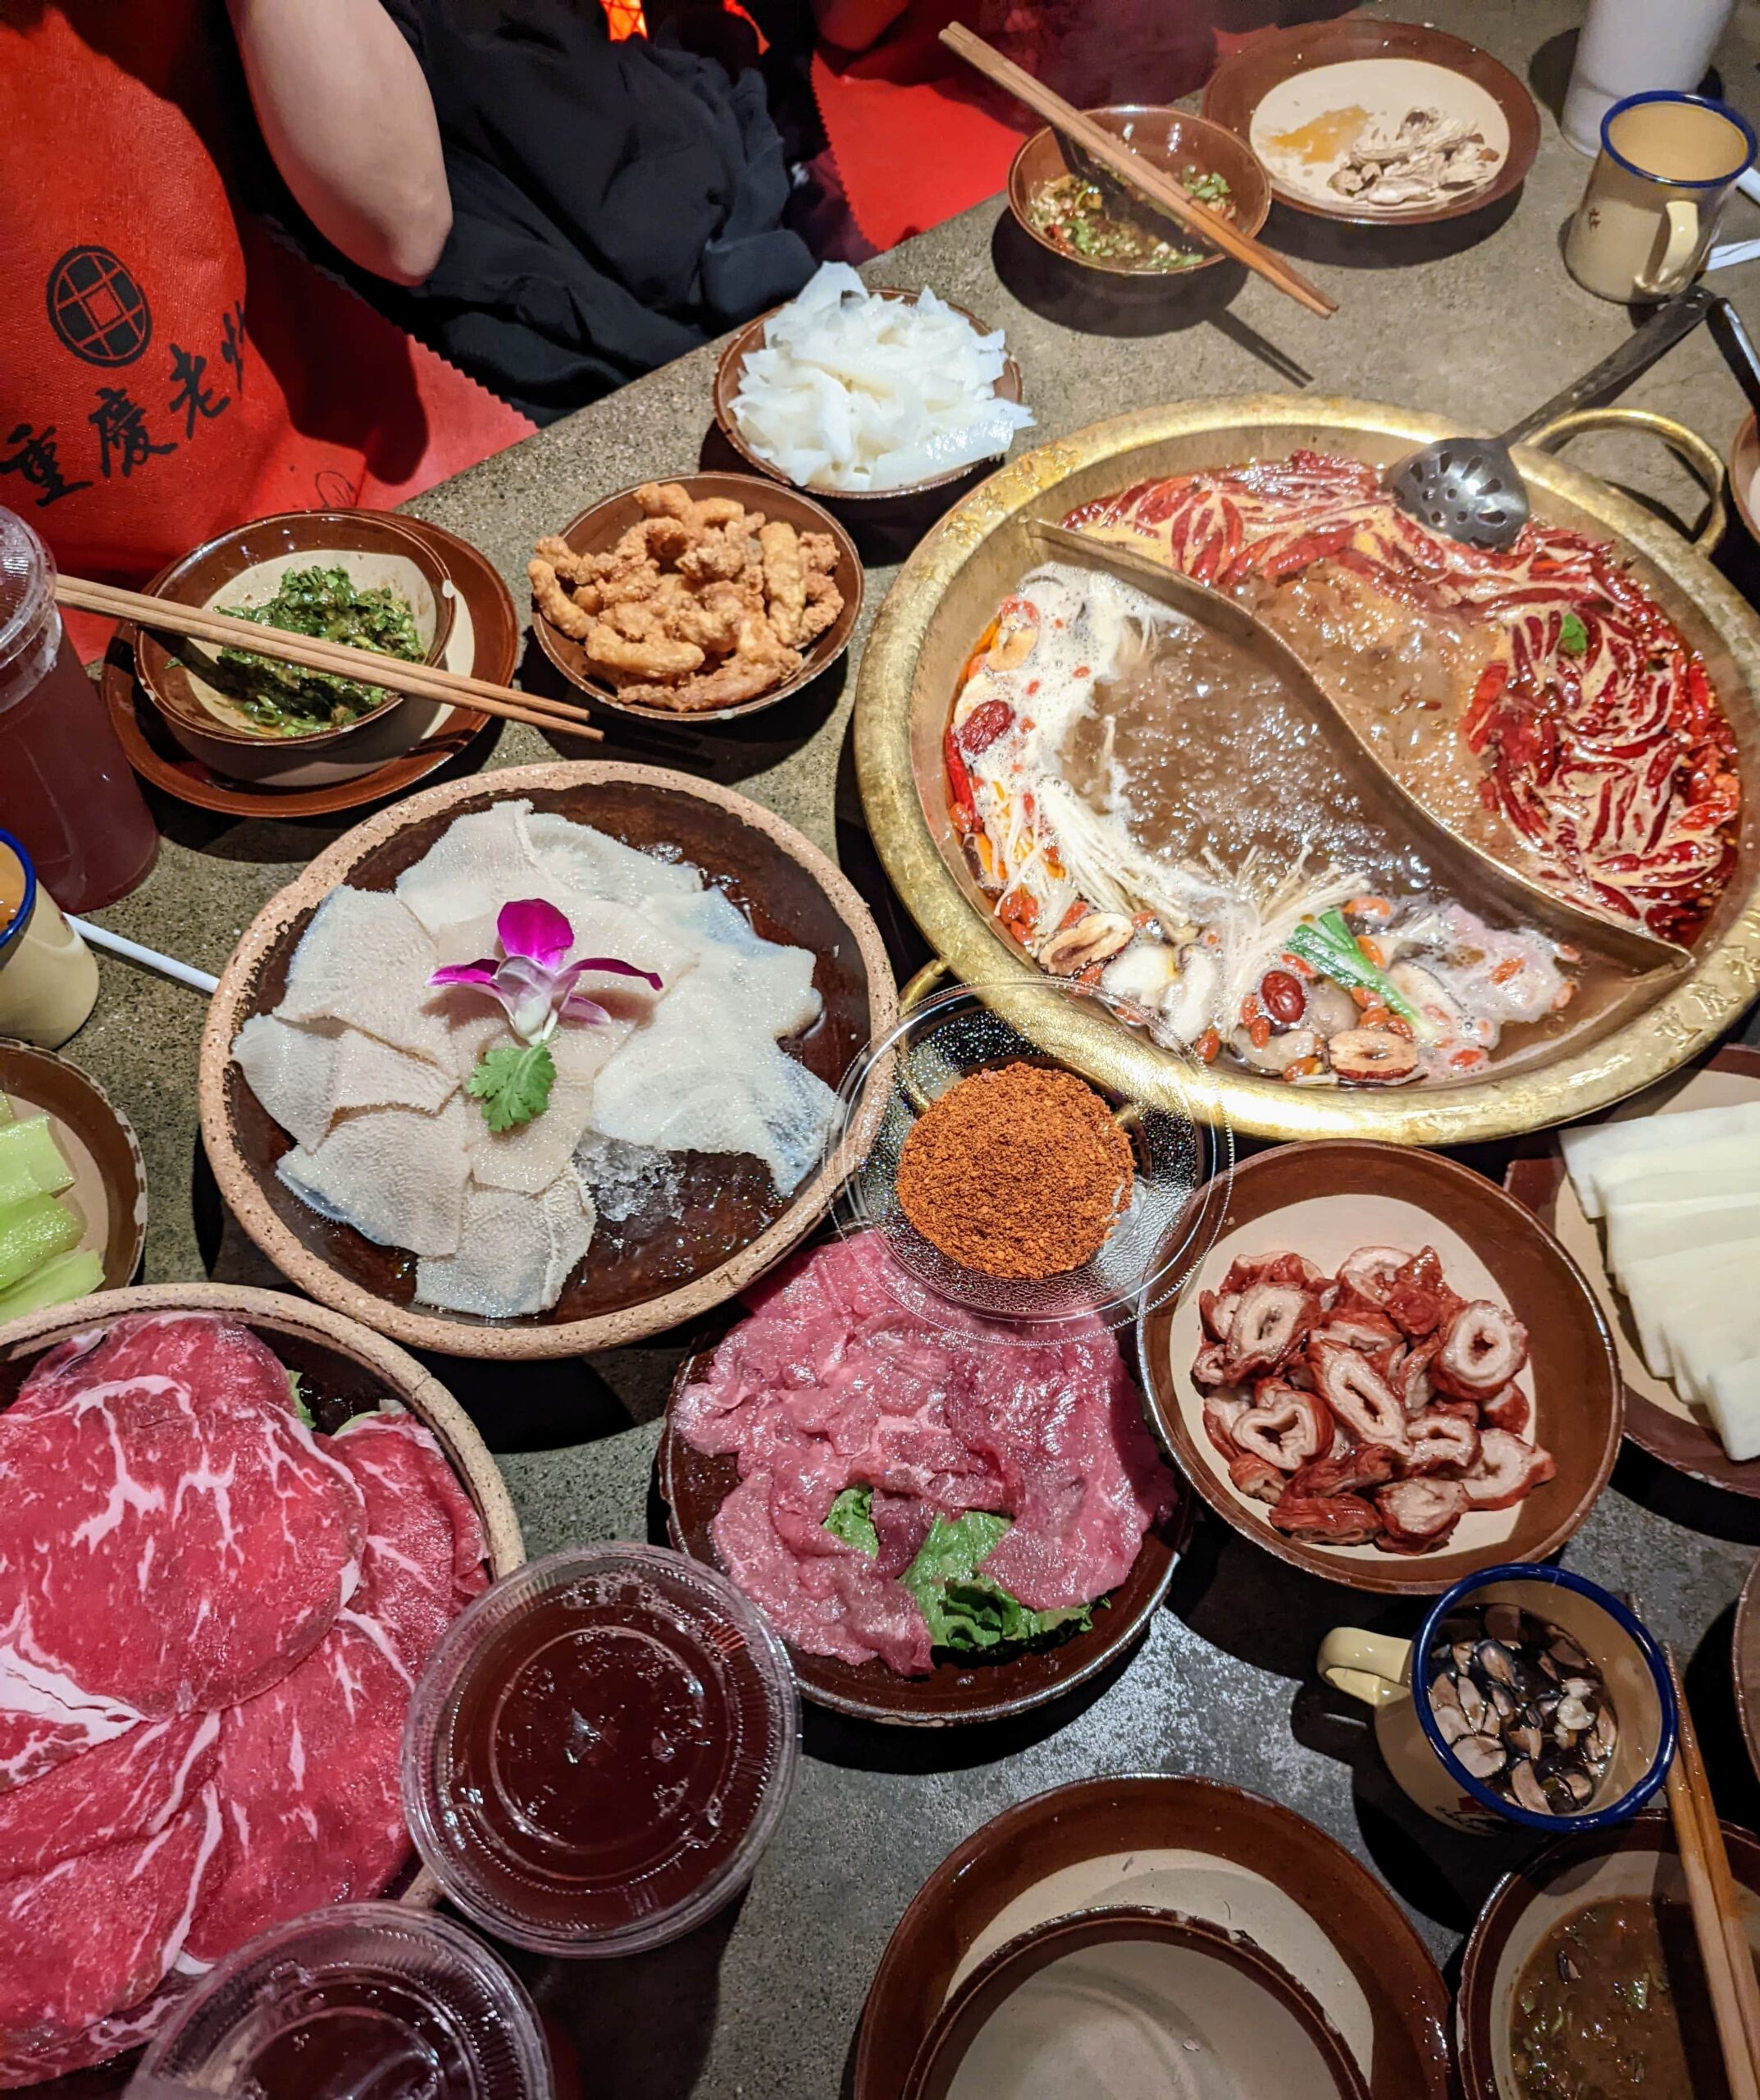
x: 596, y: 529
x: 158, y: 757
x: 1170, y: 139
x: 1188, y: 1845
x: 1745, y: 1647
x: 729, y: 371
x: 625, y: 1289
x: 1326, y: 1198
x: 1241, y: 82
x: 1161, y: 1978
x: 1638, y: 1858
x: 695, y: 1485
x: 1657, y: 1421
x: 343, y: 1370
x: 1744, y: 472
x: 98, y: 1142
x: 242, y: 566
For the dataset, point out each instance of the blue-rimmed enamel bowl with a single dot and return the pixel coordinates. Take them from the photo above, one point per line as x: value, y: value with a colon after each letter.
x: 1631, y: 1665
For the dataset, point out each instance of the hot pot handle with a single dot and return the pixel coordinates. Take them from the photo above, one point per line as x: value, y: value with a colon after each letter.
x: 1700, y: 459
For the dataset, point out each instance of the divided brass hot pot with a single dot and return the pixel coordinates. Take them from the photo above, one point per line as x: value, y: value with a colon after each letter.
x: 949, y: 590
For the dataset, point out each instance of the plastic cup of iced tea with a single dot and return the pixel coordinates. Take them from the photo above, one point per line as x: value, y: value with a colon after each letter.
x: 600, y: 1750
x: 363, y: 2002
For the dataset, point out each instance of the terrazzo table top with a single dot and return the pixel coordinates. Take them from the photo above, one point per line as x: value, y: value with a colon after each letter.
x: 1477, y: 321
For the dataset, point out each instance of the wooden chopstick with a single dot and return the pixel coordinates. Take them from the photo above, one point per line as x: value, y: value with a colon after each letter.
x: 1160, y: 189
x: 419, y: 681
x: 1716, y: 1916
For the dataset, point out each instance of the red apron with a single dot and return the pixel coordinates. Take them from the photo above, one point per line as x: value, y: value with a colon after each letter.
x: 167, y: 368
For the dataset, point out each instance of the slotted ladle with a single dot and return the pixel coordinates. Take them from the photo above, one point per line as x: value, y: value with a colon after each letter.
x: 1468, y: 869
x: 1470, y: 489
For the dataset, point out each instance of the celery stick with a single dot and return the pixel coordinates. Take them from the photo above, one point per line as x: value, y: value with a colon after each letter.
x: 30, y: 1162
x: 61, y: 1279
x: 30, y: 1233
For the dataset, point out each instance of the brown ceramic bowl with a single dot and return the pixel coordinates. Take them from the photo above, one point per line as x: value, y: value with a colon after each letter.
x: 1323, y: 1199
x: 865, y: 502
x: 695, y: 1485
x: 1186, y: 1845
x: 1055, y: 2005
x: 98, y: 1142
x: 243, y: 567
x: 1657, y: 1421
x: 484, y: 642
x: 1172, y: 140
x: 594, y: 530
x: 344, y: 1369
x: 1244, y: 80
x: 626, y: 1288
x: 1637, y: 1859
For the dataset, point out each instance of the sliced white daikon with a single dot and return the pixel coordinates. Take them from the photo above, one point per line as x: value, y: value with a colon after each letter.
x: 1725, y: 1167
x: 1597, y: 1145
x: 1733, y: 1402
x: 1700, y: 1348
x: 1670, y: 1228
x: 1657, y: 1287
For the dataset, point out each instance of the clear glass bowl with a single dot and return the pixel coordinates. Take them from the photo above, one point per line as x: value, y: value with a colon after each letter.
x: 364, y: 2002
x: 600, y: 1750
x: 1184, y: 1155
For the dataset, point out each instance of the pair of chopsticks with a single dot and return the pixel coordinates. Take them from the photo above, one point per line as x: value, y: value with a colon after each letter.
x: 418, y: 681
x: 1717, y: 1920
x: 1134, y: 172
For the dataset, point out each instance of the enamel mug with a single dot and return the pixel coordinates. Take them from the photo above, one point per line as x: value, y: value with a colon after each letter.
x: 1383, y: 1672
x: 1667, y: 166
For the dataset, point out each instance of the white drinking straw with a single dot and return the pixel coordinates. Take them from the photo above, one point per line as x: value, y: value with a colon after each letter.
x: 100, y: 936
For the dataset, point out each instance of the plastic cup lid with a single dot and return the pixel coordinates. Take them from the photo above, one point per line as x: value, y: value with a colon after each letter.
x: 363, y: 2002
x: 27, y: 585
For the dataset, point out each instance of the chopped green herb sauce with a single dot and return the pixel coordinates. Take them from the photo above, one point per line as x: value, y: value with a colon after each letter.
x: 327, y: 603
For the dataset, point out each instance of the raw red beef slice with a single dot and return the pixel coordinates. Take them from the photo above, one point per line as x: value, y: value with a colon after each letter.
x: 131, y: 1788
x: 401, y: 1467
x: 158, y: 1555
x: 31, y: 2064
x: 309, y: 1769
x: 95, y: 1935
x: 216, y: 1358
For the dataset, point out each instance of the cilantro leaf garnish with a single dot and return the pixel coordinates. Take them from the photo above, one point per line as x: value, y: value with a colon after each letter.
x: 1573, y: 637
x: 512, y: 1082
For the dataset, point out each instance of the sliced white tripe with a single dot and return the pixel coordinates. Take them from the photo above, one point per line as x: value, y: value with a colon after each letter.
x: 530, y: 1156
x: 515, y: 1253
x: 307, y: 1077
x: 1666, y: 1228
x: 395, y: 1175
x: 364, y: 962
x: 591, y: 863
x: 1589, y: 1150
x: 1656, y: 1288
x: 1715, y: 1166
x: 1734, y: 1403
x: 479, y: 863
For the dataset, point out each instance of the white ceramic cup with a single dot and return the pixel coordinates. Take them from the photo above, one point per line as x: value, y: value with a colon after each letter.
x: 1629, y: 46
x: 1668, y: 164
x: 1380, y: 1671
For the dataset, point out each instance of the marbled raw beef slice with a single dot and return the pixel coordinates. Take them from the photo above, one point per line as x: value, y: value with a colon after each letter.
x: 218, y: 1358
x: 159, y: 1555
x: 309, y: 1769
x: 131, y: 1786
x: 93, y: 1935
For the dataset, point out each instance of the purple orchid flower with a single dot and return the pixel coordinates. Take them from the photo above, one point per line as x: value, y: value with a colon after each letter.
x: 534, y: 984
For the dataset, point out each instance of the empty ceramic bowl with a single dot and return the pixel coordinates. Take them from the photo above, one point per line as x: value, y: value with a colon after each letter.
x: 1141, y: 2004
x: 244, y: 568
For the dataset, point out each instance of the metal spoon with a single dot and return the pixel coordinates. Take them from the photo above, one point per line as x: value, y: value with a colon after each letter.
x: 1469, y: 869
x: 1470, y: 489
